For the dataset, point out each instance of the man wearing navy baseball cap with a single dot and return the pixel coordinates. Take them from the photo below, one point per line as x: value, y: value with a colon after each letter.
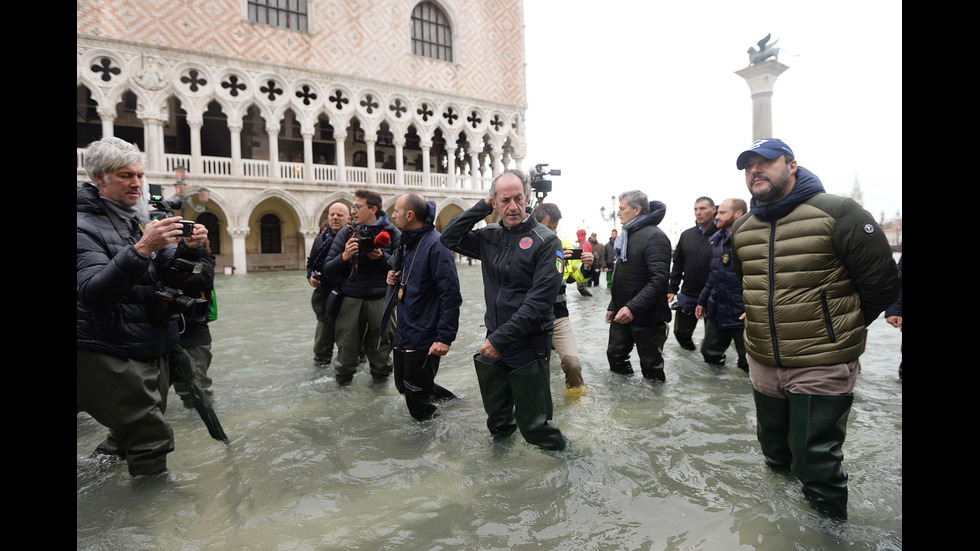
x: 816, y: 270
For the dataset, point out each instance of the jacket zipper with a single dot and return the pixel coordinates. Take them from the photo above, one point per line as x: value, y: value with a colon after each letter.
x: 772, y: 291
x: 826, y: 316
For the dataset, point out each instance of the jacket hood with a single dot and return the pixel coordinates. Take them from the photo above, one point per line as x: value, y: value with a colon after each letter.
x: 807, y: 185
x: 411, y: 236
x: 658, y: 209
x: 87, y: 197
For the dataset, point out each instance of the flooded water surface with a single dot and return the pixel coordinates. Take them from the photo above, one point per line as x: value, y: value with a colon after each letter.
x: 313, y: 466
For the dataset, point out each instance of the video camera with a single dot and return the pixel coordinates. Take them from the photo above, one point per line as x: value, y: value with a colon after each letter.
x: 539, y: 185
x: 370, y: 237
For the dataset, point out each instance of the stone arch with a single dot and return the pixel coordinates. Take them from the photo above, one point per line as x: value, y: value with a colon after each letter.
x: 292, y: 217
x: 320, y: 212
x: 447, y: 209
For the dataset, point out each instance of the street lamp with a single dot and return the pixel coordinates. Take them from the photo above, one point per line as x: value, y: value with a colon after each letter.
x: 612, y: 215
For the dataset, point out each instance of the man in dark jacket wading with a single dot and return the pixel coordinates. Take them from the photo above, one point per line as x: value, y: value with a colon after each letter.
x: 523, y: 266
x: 720, y: 302
x: 125, y: 330
x: 424, y: 271
x: 638, y: 312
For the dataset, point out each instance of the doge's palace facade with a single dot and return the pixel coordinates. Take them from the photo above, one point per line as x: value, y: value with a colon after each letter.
x: 281, y: 107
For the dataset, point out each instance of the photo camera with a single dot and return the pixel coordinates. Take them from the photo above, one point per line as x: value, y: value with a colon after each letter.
x: 164, y: 208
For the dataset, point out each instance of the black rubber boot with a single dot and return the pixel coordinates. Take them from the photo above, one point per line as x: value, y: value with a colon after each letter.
x: 619, y: 348
x: 497, y: 399
x: 418, y: 381
x: 772, y: 417
x: 530, y: 386
x: 818, y: 425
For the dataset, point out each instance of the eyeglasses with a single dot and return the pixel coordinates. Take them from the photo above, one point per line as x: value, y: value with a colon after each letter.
x: 356, y: 207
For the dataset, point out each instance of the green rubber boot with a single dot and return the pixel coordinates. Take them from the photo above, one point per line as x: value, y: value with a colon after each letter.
x: 818, y: 424
x: 497, y: 399
x: 772, y: 417
x: 530, y: 386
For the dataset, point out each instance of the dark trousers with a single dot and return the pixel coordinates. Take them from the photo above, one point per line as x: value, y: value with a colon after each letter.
x: 684, y: 324
x: 323, y: 341
x: 717, y: 340
x: 649, y: 342
x: 415, y: 373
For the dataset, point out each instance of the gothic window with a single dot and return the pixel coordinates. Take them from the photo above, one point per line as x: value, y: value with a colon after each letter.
x: 286, y: 14
x: 270, y: 231
x: 431, y: 33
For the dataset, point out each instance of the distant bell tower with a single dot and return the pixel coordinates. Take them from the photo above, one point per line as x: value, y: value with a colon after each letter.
x: 856, y: 192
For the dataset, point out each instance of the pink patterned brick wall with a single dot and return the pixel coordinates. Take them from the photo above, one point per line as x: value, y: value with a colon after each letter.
x: 368, y: 39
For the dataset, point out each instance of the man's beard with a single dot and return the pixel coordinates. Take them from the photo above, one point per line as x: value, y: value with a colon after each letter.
x: 775, y: 190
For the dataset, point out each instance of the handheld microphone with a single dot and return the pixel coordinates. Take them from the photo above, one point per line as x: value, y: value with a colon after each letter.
x: 382, y: 240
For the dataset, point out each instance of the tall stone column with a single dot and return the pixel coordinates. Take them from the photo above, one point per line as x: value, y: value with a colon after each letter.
x: 761, y: 78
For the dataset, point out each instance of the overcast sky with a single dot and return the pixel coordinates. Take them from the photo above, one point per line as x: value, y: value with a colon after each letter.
x: 635, y: 94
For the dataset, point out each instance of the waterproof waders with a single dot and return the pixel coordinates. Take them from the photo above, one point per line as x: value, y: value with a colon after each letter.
x: 818, y: 425
x: 772, y: 417
x: 520, y: 399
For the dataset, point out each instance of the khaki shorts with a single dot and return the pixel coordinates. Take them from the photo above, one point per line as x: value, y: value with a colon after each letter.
x: 778, y: 382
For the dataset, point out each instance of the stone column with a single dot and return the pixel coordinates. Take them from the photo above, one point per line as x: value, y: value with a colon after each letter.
x: 369, y: 141
x: 195, y: 125
x: 308, y: 155
x: 474, y: 169
x: 450, y: 165
x: 339, y: 137
x: 273, y: 132
x: 309, y: 236
x: 426, y: 145
x: 761, y: 78
x: 108, y: 118
x: 236, y: 147
x: 238, y: 260
x: 399, y: 163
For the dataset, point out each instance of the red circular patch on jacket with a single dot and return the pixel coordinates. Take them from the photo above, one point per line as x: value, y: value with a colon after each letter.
x: 526, y: 243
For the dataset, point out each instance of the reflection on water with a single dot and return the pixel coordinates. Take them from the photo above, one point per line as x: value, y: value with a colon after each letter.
x: 311, y: 465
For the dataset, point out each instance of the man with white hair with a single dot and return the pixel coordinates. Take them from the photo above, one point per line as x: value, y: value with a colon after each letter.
x: 523, y: 266
x: 125, y: 327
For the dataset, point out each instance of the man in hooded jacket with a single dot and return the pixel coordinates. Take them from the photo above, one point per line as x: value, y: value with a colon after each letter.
x: 364, y: 275
x: 125, y: 330
x: 638, y: 311
x: 816, y: 270
x: 424, y: 271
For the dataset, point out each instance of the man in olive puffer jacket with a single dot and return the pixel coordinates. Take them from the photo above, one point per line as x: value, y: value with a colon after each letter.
x: 816, y: 271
